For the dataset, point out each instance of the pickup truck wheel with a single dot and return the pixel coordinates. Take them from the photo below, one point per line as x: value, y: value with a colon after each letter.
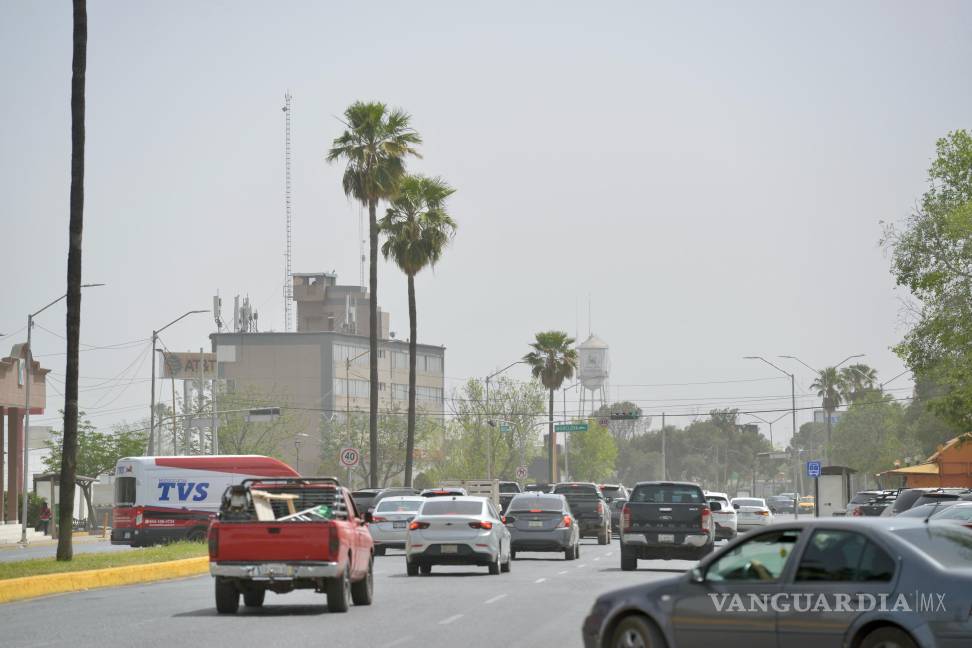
x: 425, y: 569
x: 254, y: 598
x: 379, y: 551
x: 197, y: 535
x: 628, y: 562
x: 411, y: 569
x: 227, y: 597
x: 339, y: 592
x: 363, y: 591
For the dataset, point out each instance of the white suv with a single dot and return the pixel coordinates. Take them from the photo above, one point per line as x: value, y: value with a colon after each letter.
x: 725, y: 520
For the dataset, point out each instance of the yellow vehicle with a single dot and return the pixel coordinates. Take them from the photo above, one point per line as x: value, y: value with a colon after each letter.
x: 807, y: 504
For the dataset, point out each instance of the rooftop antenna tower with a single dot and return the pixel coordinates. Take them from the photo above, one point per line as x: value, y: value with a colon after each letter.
x: 288, y: 287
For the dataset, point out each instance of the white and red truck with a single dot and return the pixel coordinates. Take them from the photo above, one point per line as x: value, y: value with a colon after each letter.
x: 161, y: 499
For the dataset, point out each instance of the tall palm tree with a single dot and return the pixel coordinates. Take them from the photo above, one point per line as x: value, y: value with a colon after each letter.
x: 553, y: 360
x: 417, y: 228
x: 69, y: 451
x: 859, y: 379
x: 374, y: 146
x: 830, y: 387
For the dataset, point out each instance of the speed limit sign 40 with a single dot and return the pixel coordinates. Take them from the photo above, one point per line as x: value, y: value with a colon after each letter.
x: 350, y: 457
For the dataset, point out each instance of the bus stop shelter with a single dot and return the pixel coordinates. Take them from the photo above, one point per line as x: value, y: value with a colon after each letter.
x: 54, y: 482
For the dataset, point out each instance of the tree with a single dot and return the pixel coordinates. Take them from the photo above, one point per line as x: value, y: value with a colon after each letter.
x: 858, y: 382
x: 417, y: 228
x: 622, y: 429
x: 65, y: 548
x: 592, y: 454
x: 829, y: 385
x: 553, y: 361
x: 932, y: 258
x: 98, y: 452
x: 237, y: 435
x: 374, y: 146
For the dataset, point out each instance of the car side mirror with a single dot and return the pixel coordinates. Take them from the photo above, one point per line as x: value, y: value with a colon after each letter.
x: 508, y: 519
x: 695, y: 576
x: 715, y: 506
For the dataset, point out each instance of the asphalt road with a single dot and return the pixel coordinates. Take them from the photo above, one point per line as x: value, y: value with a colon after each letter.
x: 541, y: 602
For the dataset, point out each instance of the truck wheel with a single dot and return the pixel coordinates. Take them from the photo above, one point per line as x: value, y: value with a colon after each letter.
x: 363, y: 591
x: 379, y: 551
x: 227, y: 597
x: 628, y: 562
x: 411, y: 569
x: 339, y: 592
x: 425, y: 569
x: 197, y: 535
x: 254, y: 598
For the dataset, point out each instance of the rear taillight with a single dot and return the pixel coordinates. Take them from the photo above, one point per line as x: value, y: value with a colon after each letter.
x: 763, y: 513
x: 857, y: 511
x: 375, y: 518
x: 213, y: 542
x: 334, y: 541
x: 484, y: 524
x: 706, y: 513
x: 600, y: 508
x: 625, y: 518
x: 414, y: 526
x: 567, y: 521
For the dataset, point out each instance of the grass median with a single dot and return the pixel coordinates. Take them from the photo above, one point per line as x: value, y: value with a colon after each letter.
x: 102, y: 560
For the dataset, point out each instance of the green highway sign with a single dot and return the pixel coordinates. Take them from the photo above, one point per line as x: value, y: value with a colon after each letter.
x: 570, y: 427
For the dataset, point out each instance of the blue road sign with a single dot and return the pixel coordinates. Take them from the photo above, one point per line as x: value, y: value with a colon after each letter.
x: 813, y: 468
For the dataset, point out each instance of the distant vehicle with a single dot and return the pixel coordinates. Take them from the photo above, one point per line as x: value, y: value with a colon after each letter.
x: 751, y: 513
x: 507, y: 491
x: 589, y: 509
x: 443, y: 492
x: 959, y: 512
x: 288, y: 533
x: 780, y: 504
x: 457, y: 530
x: 808, y: 504
x: 813, y: 559
x: 389, y: 521
x: 942, y: 496
x: 163, y: 499
x: 666, y: 520
x: 488, y: 488
x: 393, y: 491
x: 725, y: 518
x: 363, y: 498
x: 908, y: 497
x: 542, y: 522
x: 925, y: 511
x: 859, y: 499
x: 616, y: 505
x: 539, y: 488
x: 873, y: 506
x: 612, y: 492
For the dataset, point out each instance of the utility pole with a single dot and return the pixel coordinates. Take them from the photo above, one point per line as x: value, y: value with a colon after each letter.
x: 155, y: 338
x: 288, y: 291
x: 664, y: 450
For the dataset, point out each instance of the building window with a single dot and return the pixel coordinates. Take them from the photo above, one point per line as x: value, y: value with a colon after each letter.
x: 399, y: 360
x: 428, y: 394
x: 399, y: 392
x: 359, y: 388
x: 430, y: 364
x: 344, y: 352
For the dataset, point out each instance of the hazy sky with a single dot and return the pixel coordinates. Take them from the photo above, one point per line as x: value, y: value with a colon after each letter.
x: 713, y: 175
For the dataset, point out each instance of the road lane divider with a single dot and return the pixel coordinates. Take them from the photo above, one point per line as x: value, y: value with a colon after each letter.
x: 540, y: 580
x: 448, y: 620
x: 27, y: 587
x: 495, y: 598
x: 561, y: 573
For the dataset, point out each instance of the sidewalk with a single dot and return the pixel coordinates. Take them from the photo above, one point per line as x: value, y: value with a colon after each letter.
x: 48, y: 548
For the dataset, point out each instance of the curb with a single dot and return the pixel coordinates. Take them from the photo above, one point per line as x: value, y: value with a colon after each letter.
x: 16, y: 589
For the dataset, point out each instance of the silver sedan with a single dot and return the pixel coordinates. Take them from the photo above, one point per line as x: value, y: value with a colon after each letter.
x: 390, y: 520
x: 457, y: 531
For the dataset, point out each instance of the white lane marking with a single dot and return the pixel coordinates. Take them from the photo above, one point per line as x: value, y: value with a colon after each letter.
x: 608, y: 554
x: 580, y: 566
x: 447, y: 621
x: 397, y: 642
x: 495, y: 598
x: 596, y: 559
x: 539, y: 580
x: 561, y: 573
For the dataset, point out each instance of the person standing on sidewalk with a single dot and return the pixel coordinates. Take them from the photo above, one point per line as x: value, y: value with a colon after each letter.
x: 45, y: 517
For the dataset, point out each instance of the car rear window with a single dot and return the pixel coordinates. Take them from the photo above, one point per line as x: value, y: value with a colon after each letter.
x: 536, y: 503
x: 906, y: 499
x: 611, y: 491
x: 509, y: 488
x: 955, y: 513
x: 452, y: 507
x: 403, y: 506
x: 863, y: 498
x: 949, y: 547
x: 582, y: 490
x: 667, y: 494
x: 747, y: 502
x: 931, y: 498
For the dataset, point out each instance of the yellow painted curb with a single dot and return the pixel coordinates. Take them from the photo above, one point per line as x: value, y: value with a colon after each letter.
x: 15, y: 589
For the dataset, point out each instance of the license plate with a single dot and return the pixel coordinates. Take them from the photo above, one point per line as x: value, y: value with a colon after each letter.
x: 398, y: 525
x: 449, y: 549
x: 127, y: 535
x: 277, y: 569
x: 666, y: 537
x: 536, y: 523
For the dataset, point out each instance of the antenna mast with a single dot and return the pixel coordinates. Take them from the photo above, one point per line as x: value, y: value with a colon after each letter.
x: 288, y: 287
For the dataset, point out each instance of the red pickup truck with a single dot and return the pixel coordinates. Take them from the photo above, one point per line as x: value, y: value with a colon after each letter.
x: 289, y: 533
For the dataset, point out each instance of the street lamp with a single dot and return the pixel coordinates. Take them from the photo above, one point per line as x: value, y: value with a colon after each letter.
x: 29, y: 361
x: 489, y: 436
x: 297, y: 446
x: 567, y: 435
x: 769, y: 423
x: 347, y: 404
x: 155, y: 337
x: 888, y: 382
x: 796, y: 468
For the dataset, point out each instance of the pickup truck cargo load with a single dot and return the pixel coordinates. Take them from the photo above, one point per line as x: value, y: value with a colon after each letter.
x: 488, y: 488
x: 666, y: 520
x: 282, y: 534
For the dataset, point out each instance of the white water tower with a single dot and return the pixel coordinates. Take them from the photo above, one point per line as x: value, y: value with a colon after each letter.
x: 593, y: 370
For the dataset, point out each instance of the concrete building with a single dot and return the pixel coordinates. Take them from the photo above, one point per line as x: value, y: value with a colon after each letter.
x: 321, y: 370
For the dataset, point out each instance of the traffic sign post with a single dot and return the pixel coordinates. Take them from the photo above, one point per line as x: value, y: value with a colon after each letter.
x: 350, y: 457
x: 570, y: 427
x: 813, y: 469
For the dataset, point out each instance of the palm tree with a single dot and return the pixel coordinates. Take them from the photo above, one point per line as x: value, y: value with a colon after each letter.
x: 374, y: 145
x: 69, y: 451
x: 553, y: 360
x: 829, y: 385
x: 859, y: 379
x: 417, y: 228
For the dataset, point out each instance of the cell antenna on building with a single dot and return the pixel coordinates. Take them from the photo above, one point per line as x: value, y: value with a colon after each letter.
x: 288, y: 287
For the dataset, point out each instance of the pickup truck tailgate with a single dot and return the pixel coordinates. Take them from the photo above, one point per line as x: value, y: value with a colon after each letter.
x: 257, y: 541
x: 665, y: 518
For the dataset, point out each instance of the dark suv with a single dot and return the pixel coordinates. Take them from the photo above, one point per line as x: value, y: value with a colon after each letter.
x: 589, y: 508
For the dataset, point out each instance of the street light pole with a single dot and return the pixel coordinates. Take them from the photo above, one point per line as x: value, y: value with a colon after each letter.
x: 29, y: 362
x: 796, y: 468
x: 489, y: 435
x: 567, y: 434
x: 347, y: 401
x: 155, y: 338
